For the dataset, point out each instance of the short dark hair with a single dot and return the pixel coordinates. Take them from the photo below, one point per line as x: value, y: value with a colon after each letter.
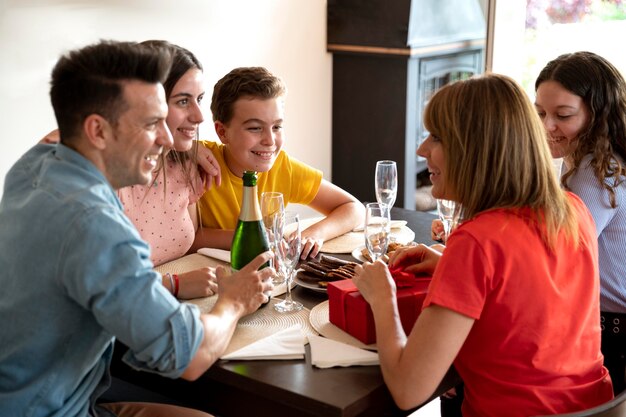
x: 89, y: 81
x: 253, y: 82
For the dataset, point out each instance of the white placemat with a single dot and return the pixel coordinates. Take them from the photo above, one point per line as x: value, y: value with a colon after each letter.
x: 263, y: 322
x: 187, y: 263
x: 321, y: 323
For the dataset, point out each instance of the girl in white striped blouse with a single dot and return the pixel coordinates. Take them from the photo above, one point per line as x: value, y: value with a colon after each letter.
x: 581, y: 98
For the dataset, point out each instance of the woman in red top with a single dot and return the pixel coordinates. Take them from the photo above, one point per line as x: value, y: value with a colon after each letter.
x: 514, y: 299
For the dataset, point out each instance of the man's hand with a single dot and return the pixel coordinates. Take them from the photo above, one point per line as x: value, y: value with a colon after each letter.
x: 246, y: 288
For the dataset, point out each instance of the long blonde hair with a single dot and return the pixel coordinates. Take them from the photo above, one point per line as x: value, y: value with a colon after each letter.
x: 496, y: 152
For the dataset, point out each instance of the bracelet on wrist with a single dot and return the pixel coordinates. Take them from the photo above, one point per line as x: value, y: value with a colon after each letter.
x: 176, y: 285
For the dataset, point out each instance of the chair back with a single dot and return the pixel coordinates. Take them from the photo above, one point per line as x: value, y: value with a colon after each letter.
x: 614, y: 408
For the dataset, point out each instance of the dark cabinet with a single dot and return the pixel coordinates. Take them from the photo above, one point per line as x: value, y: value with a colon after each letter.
x: 385, y: 67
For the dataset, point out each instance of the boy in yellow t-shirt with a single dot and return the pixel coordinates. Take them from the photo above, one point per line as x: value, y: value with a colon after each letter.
x: 248, y: 112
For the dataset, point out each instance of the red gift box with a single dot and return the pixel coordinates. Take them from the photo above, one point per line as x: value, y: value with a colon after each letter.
x: 349, y: 311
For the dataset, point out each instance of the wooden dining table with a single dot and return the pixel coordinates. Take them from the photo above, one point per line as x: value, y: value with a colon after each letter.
x: 286, y: 387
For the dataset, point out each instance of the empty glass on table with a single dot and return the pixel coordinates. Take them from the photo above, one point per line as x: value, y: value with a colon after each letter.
x: 377, y: 229
x: 446, y: 209
x: 272, y: 205
x: 386, y: 183
x: 288, y: 249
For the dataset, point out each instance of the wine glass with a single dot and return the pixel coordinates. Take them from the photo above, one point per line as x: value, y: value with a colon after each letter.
x: 446, y: 211
x: 386, y: 182
x: 288, y: 249
x: 272, y: 205
x: 377, y: 229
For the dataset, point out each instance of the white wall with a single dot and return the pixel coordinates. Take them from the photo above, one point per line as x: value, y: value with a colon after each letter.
x: 286, y: 36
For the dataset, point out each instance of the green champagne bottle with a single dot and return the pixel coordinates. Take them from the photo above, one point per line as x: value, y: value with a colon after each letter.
x: 250, y: 237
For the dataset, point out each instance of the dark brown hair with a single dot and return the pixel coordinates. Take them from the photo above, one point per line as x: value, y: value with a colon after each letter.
x: 89, y: 81
x: 255, y: 82
x: 603, y: 90
x: 182, y: 61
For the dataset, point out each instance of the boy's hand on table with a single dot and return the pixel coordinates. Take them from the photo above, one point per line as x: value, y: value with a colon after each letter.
x: 310, y: 247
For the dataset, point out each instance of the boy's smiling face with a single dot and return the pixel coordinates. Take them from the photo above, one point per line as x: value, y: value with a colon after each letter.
x: 254, y: 135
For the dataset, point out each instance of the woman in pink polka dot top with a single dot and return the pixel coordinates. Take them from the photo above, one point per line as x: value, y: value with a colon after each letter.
x: 165, y: 212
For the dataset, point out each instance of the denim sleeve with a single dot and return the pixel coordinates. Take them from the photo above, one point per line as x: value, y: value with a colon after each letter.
x: 106, y: 268
x: 186, y: 334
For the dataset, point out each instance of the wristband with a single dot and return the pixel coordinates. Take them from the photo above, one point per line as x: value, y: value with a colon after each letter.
x: 173, y: 288
x: 176, y: 284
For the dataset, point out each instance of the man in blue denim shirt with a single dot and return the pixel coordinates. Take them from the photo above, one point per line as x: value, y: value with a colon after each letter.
x: 75, y: 272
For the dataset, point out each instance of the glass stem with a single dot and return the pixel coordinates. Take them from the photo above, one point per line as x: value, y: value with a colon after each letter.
x: 288, y: 279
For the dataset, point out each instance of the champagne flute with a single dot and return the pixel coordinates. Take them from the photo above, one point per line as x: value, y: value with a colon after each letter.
x: 272, y: 205
x: 446, y: 211
x: 377, y: 229
x: 386, y: 183
x: 288, y: 248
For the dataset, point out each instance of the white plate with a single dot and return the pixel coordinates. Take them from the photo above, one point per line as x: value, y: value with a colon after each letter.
x: 357, y: 254
x: 308, y: 285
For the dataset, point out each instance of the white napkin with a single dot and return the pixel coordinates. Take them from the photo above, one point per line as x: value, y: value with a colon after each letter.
x: 394, y: 224
x: 285, y: 344
x: 220, y: 254
x: 326, y: 353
